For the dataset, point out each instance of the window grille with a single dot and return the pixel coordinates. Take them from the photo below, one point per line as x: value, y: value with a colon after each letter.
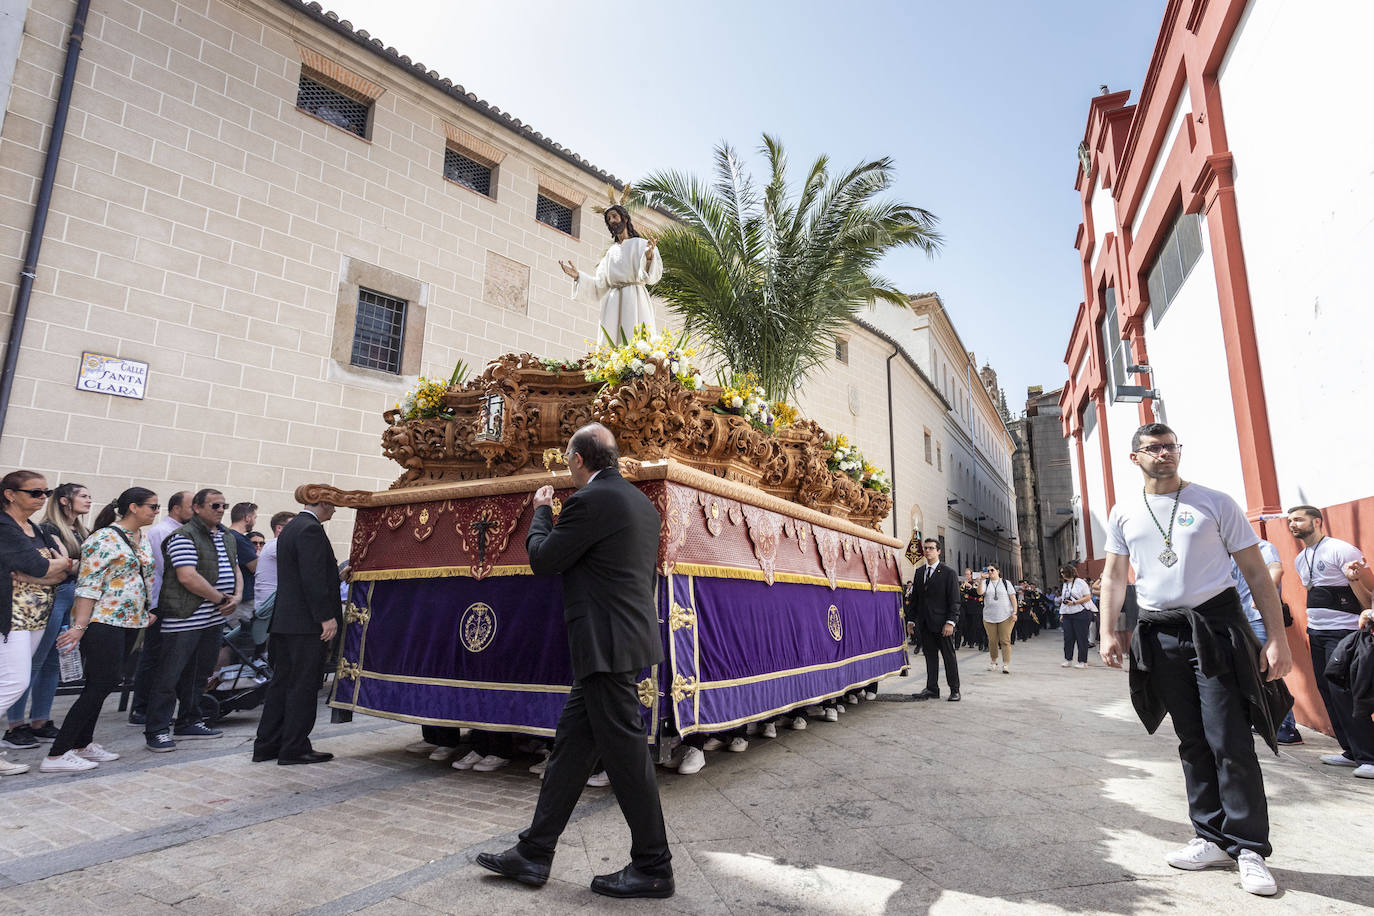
x: 378, y: 331
x: 842, y: 350
x: 1113, y: 347
x: 552, y: 213
x: 467, y: 172
x: 1177, y: 254
x: 928, y: 444
x: 331, y: 105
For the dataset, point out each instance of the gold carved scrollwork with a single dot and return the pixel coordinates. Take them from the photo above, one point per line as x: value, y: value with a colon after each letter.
x: 683, y: 687
x: 680, y: 618
x: 554, y: 456
x: 349, y: 671
x: 355, y: 614
x: 648, y: 692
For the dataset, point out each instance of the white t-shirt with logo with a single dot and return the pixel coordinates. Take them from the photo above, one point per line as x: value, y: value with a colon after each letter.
x: 1208, y: 528
x: 999, y: 600
x: 1322, y: 564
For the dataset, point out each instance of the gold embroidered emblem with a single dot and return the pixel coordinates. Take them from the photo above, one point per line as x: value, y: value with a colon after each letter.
x: 355, y: 614
x: 349, y: 671
x: 478, y: 627
x: 648, y: 691
x: 424, y: 516
x: 680, y: 617
x: 835, y: 624
x: 557, y: 507
x: 683, y: 687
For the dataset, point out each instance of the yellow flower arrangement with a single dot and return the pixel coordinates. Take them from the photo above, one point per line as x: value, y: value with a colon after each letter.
x: 784, y: 415
x: 644, y: 354
x: 743, y: 396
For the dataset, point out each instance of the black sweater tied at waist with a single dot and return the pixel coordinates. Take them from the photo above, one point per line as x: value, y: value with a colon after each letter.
x: 1223, y: 641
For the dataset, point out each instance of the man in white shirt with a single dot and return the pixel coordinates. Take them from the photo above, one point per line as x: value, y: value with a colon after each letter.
x: 1333, y: 613
x: 1193, y: 655
x: 178, y: 514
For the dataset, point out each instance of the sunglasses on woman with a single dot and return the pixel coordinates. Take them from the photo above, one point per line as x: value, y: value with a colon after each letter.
x: 36, y: 493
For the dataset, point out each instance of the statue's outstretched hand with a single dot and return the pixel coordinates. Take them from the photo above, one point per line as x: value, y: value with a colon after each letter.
x: 569, y: 269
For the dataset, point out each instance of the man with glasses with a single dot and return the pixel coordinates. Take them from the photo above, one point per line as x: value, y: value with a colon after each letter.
x: 1194, y: 656
x: 934, y: 608
x: 201, y: 586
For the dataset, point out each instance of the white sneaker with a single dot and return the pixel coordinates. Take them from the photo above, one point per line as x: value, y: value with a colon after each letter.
x: 1006, y: 669
x: 713, y: 744
x: 419, y: 747
x: 692, y: 762
x: 539, y: 768
x: 831, y: 715
x: 599, y: 780
x: 740, y: 745
x: 471, y: 760
x: 870, y: 694
x: 67, y: 763
x: 1338, y: 760
x: 9, y: 768
x: 798, y: 724
x: 97, y: 753
x: 442, y: 753
x: 1080, y: 664
x: 852, y: 699
x: 1255, y: 876
x: 1198, y: 854
x: 1066, y: 664
x: 489, y: 763
x: 769, y: 730
x: 1364, y: 770
x: 839, y: 707
x: 992, y: 666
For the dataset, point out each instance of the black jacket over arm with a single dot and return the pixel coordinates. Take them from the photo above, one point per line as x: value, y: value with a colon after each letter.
x: 307, y: 579
x: 936, y: 603
x: 605, y: 546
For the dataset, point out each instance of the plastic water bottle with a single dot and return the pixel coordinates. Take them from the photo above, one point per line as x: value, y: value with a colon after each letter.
x: 69, y: 663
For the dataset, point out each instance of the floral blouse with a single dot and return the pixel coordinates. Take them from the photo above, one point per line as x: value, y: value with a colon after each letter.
x: 118, y: 580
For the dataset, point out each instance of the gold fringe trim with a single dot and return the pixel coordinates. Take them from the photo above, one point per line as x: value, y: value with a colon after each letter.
x: 774, y: 675
x: 454, y: 723
x: 474, y: 685
x: 438, y: 572
x: 759, y: 717
x: 735, y: 572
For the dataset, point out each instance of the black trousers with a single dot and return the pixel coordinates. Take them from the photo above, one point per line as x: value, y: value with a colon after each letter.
x: 934, y: 647
x: 601, y: 720
x: 147, y: 666
x: 184, y: 663
x: 1355, y: 735
x: 442, y: 735
x: 292, y: 701
x: 1076, y: 634
x: 1226, y: 800
x: 104, y: 650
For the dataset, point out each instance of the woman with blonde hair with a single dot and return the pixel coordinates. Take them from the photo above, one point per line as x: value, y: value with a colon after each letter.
x: 999, y: 615
x: 30, y: 564
x: 64, y: 521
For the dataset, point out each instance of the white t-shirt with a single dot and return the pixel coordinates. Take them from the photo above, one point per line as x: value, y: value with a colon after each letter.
x: 1209, y: 527
x: 999, y: 600
x: 1321, y: 564
x: 1077, y: 589
x: 265, y: 580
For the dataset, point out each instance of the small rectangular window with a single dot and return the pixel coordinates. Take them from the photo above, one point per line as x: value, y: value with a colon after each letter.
x: 939, y: 457
x: 928, y: 444
x: 467, y: 171
x: 1179, y: 251
x: 378, y: 331
x: 842, y: 350
x: 332, y: 106
x: 552, y: 213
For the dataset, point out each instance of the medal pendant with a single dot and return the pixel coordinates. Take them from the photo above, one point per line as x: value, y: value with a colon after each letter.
x: 1168, y: 557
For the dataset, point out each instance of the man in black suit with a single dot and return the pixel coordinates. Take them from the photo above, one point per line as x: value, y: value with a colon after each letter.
x: 305, y: 619
x: 934, y: 607
x: 605, y: 546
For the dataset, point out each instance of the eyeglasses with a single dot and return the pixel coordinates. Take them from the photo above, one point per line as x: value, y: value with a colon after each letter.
x: 1161, y: 448
x: 153, y: 506
x: 218, y: 506
x: 36, y: 493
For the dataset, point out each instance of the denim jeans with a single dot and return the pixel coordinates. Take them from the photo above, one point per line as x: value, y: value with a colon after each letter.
x: 43, y: 673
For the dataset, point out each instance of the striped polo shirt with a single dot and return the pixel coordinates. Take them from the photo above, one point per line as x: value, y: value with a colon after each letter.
x: 182, y: 552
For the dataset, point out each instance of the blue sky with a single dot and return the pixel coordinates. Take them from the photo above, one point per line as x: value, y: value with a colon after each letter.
x: 981, y: 105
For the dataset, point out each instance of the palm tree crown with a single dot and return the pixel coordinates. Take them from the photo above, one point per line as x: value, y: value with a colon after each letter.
x: 768, y: 279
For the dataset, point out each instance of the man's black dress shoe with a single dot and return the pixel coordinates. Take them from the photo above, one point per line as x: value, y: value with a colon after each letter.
x: 260, y: 756
x: 308, y: 757
x: 631, y: 882
x: 926, y: 695
x: 511, y: 864
x: 954, y: 697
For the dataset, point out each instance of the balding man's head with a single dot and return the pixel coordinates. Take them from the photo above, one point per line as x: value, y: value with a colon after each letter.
x: 596, y: 445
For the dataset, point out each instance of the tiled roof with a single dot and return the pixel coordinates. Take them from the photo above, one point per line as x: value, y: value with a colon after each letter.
x: 454, y: 91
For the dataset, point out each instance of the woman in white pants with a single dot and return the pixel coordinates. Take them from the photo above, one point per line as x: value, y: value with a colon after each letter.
x: 22, y: 544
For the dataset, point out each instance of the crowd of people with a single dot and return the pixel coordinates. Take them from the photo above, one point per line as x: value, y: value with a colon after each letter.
x: 160, y: 602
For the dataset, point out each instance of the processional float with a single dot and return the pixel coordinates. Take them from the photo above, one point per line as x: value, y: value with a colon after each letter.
x: 774, y: 587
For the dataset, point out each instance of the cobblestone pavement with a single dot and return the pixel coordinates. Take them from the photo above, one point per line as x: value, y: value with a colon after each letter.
x: 1039, y: 793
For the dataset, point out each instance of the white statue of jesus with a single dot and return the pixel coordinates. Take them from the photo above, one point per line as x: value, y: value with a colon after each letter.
x: 620, y: 282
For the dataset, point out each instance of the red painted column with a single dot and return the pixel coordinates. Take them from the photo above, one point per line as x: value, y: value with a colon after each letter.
x: 1216, y: 184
